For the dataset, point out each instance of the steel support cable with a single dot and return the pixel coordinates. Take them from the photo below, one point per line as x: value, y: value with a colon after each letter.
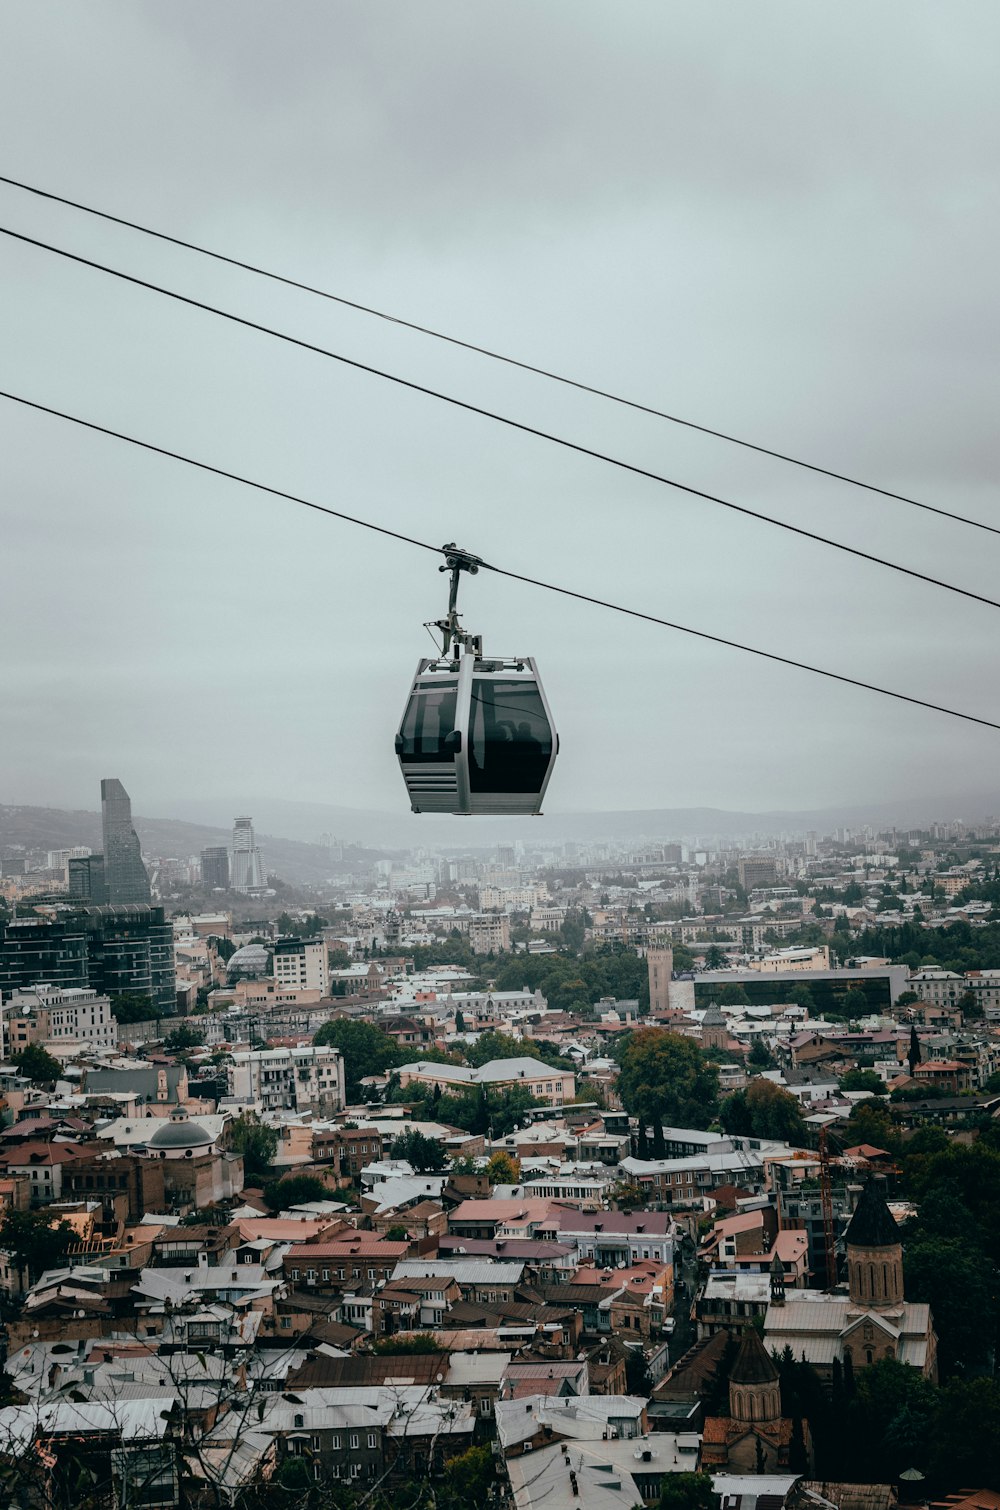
x: 502, y: 419
x: 566, y: 592
x: 497, y: 356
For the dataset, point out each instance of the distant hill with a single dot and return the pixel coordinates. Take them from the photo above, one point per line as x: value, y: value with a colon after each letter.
x: 33, y: 828
x: 288, y: 831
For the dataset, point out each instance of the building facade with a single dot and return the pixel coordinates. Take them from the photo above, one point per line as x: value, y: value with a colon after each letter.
x: 302, y: 965
x: 304, y: 1079
x: 124, y: 872
x: 247, y: 869
x: 215, y: 867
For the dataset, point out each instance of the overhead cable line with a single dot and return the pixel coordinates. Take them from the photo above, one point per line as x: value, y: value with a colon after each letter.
x: 500, y: 571
x: 502, y: 419
x: 499, y: 356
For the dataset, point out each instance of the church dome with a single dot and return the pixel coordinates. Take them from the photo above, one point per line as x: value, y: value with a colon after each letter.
x: 179, y: 1132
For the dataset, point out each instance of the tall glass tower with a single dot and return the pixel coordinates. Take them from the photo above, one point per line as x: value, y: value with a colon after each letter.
x: 124, y: 873
x: 247, y: 869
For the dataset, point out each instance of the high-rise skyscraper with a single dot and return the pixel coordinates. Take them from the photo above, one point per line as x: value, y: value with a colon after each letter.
x: 124, y: 871
x: 215, y: 867
x: 87, y: 880
x: 247, y: 870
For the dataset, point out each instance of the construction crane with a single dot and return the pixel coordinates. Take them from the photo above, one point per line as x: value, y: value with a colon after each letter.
x: 826, y: 1204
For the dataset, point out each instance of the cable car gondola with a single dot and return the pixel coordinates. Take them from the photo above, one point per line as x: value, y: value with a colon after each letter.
x: 477, y: 734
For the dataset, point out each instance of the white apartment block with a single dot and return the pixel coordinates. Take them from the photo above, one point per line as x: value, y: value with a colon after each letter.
x: 302, y: 965
x: 55, y: 1017
x: 304, y: 1079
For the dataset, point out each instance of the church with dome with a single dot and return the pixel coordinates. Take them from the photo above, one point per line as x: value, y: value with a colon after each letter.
x: 755, y: 1437
x: 873, y: 1320
x: 195, y: 1172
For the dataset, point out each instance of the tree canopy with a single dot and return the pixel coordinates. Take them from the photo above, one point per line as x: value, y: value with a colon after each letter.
x: 664, y: 1078
x: 295, y: 1190
x: 764, y: 1110
x: 33, y: 1241
x: 366, y: 1050
x: 41, y: 1067
x: 257, y: 1143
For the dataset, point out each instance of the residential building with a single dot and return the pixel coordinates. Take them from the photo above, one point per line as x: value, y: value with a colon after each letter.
x: 310, y: 1078
x: 757, y: 870
x: 57, y: 1016
x: 215, y: 867
x: 489, y: 933
x: 301, y: 965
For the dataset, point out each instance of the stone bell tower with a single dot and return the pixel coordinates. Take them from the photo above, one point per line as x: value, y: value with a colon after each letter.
x: 874, y: 1254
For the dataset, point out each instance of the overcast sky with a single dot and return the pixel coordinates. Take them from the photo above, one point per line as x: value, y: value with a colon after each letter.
x: 778, y: 219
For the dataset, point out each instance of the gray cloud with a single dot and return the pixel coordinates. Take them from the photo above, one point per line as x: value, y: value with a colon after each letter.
x: 777, y: 219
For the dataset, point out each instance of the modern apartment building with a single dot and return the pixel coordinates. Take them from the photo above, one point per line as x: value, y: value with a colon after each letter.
x: 302, y: 965
x: 215, y: 867
x: 489, y: 933
x: 304, y: 1079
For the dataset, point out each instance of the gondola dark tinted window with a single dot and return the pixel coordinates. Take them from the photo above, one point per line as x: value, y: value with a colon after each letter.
x: 510, y: 743
x: 430, y: 718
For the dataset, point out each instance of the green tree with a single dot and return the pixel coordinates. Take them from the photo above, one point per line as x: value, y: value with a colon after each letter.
x: 872, y: 1122
x: 412, y: 1343
x: 965, y: 1439
x: 665, y: 1078
x: 468, y: 1479
x: 952, y: 1275
x: 423, y: 1154
x: 40, y: 1067
x: 459, y: 1021
x: 366, y: 1050
x: 862, y: 1080
x: 183, y: 1037
x: 573, y: 932
x: 255, y: 1141
x: 764, y: 1110
x: 33, y: 1242
x: 760, y: 1057
x: 687, y: 1491
x: 224, y: 948
x: 133, y: 1006
x: 732, y: 996
x: 715, y: 958
x: 801, y: 996
x: 295, y: 1190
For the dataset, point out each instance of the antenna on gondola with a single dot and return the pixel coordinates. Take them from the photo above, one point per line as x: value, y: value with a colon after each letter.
x: 457, y: 561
